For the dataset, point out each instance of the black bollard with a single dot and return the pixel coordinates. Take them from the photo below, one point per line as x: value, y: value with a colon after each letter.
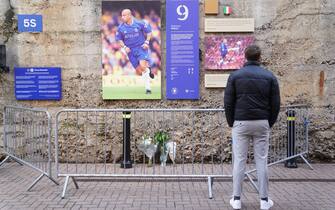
x: 126, y: 162
x: 291, y: 163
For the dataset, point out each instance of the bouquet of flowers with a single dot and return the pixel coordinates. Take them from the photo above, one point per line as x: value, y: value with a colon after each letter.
x: 149, y: 147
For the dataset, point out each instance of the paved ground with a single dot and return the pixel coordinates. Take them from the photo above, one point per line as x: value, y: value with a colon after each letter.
x: 290, y: 189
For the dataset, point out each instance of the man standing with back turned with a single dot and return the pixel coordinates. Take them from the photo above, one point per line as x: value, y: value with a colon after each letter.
x: 252, y: 104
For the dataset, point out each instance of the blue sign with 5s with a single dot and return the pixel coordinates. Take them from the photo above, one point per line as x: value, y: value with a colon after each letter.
x: 30, y: 23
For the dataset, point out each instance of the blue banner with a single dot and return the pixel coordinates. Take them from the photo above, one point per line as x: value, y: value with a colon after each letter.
x: 182, y: 49
x: 38, y: 83
x: 30, y: 23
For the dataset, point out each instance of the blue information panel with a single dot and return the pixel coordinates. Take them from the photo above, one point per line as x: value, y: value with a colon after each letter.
x: 182, y: 49
x: 30, y: 23
x: 38, y: 83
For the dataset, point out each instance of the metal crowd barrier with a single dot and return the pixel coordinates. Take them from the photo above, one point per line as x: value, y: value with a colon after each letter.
x: 89, y: 143
x: 288, y: 139
x: 27, y: 134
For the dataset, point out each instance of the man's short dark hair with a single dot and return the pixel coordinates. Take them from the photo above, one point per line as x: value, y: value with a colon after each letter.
x: 252, y: 53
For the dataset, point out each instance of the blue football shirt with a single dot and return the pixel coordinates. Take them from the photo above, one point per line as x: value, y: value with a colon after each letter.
x: 224, y: 50
x: 133, y: 35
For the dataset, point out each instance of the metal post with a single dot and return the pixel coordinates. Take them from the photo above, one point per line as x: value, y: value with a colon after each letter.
x: 210, y: 187
x: 49, y: 145
x: 4, y: 129
x: 291, y: 163
x: 306, y: 124
x: 126, y: 162
x: 65, y: 186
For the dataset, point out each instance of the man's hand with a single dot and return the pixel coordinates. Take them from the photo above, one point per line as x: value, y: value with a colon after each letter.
x: 127, y: 49
x: 145, y: 46
x: 124, y: 47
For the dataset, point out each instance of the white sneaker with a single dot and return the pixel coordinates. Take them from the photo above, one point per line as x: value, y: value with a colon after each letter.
x: 236, y: 204
x: 266, y: 204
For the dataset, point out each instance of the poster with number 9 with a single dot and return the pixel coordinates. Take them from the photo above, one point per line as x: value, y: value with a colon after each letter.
x: 182, y: 47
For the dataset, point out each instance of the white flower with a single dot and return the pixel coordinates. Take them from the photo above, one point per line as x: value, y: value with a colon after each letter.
x: 147, y: 140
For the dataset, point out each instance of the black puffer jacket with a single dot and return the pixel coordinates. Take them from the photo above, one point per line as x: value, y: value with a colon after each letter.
x: 252, y: 93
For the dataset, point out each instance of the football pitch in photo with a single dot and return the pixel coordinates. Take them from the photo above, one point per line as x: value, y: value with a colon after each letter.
x: 129, y: 87
x: 130, y: 92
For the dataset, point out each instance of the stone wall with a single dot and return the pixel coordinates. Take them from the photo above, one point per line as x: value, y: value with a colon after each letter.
x: 297, y: 38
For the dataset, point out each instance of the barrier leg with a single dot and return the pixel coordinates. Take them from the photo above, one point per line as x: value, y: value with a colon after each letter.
x: 252, y: 182
x: 4, y: 160
x: 39, y: 178
x: 306, y: 161
x: 53, y: 180
x: 9, y: 157
x: 18, y: 162
x: 210, y: 186
x: 35, y: 182
x: 65, y: 186
x: 75, y: 183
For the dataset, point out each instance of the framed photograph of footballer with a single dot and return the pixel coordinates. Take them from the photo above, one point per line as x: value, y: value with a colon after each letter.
x: 131, y: 49
x: 226, y: 52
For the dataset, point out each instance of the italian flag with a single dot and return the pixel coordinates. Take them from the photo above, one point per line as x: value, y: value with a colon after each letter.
x: 227, y: 10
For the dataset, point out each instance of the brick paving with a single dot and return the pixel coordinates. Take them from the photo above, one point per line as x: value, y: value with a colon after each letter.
x: 300, y: 188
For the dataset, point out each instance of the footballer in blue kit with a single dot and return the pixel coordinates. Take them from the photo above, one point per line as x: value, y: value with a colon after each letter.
x: 224, y: 49
x: 134, y: 37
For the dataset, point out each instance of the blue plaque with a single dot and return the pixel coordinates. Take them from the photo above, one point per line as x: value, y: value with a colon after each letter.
x: 38, y: 83
x: 182, y: 49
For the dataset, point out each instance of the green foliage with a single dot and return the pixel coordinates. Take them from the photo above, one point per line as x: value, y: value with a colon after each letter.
x: 161, y: 137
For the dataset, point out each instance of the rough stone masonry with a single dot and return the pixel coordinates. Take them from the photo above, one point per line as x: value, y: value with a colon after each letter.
x: 297, y: 38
